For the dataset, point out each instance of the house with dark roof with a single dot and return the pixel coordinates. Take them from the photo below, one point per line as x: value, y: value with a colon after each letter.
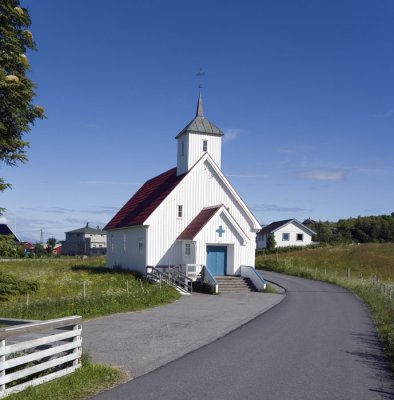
x: 188, y: 215
x: 84, y: 241
x: 5, y: 230
x: 287, y: 233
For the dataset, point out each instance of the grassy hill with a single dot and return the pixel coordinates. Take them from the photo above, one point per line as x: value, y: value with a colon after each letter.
x: 370, y: 259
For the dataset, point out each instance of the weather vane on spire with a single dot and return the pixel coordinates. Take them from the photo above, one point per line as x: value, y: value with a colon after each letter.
x: 200, y: 75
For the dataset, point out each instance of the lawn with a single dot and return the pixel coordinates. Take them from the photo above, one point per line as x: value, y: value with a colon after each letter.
x: 57, y: 287
x: 370, y: 259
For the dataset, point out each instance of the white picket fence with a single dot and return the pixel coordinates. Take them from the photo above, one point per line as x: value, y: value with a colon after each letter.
x: 35, y: 352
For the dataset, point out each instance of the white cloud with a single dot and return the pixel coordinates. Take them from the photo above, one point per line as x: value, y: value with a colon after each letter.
x: 108, y: 210
x: 286, y: 151
x: 273, y: 207
x: 247, y: 175
x: 297, y: 150
x: 386, y: 114
x: 324, y: 174
x: 231, y: 134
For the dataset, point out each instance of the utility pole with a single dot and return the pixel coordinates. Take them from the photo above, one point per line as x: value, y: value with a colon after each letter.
x: 41, y: 236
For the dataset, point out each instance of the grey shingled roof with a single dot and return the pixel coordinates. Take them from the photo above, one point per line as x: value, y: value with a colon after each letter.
x: 274, y: 225
x: 88, y: 230
x: 200, y: 124
x: 277, y: 224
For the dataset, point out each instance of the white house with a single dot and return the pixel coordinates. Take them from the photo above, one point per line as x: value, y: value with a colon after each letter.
x: 189, y: 214
x: 289, y: 232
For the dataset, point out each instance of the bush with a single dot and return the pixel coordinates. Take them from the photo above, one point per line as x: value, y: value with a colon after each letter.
x: 12, y: 286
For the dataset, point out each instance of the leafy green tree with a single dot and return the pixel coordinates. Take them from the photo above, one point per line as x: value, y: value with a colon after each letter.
x: 17, y: 111
x: 39, y: 250
x: 51, y: 243
x: 271, y: 242
x: 8, y: 247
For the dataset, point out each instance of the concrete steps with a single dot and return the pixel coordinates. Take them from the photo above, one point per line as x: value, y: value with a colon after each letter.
x: 234, y: 284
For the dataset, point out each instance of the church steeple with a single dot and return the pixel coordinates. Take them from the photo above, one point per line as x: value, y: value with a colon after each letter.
x: 199, y: 136
x: 199, y: 112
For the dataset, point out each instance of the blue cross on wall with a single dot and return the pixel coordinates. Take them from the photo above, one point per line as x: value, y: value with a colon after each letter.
x: 220, y: 231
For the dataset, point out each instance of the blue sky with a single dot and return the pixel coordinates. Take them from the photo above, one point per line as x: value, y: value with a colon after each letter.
x: 303, y: 90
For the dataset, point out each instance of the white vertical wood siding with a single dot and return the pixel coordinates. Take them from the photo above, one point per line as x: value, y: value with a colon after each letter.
x: 238, y: 253
x: 201, y: 188
x: 292, y: 230
x: 194, y: 150
x: 123, y: 248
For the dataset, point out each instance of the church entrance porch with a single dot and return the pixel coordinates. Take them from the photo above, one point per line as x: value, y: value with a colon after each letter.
x: 217, y: 260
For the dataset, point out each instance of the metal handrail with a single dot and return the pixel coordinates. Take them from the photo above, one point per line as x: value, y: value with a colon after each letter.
x: 173, y: 277
x: 208, y: 278
x: 180, y: 278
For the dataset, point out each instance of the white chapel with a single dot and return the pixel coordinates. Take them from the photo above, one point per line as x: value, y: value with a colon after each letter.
x: 188, y: 215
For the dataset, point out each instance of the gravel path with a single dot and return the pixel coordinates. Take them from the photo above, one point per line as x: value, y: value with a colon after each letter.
x: 140, y: 342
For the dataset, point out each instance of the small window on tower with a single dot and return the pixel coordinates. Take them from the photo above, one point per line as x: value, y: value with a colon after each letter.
x: 182, y: 148
x: 187, y: 249
x: 205, y: 145
x: 180, y: 211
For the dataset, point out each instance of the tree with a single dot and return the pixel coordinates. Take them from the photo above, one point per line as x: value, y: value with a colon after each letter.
x: 17, y: 112
x: 39, y: 250
x: 51, y: 243
x: 271, y: 242
x: 9, y: 248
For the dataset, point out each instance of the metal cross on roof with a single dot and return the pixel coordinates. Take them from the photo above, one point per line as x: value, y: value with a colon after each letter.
x: 220, y: 230
x: 200, y: 74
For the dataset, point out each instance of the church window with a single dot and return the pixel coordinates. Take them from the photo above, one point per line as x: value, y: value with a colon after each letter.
x: 205, y: 145
x: 187, y: 249
x: 182, y: 148
x: 180, y: 211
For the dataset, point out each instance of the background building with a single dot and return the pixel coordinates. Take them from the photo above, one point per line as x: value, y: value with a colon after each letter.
x: 287, y: 233
x: 85, y: 241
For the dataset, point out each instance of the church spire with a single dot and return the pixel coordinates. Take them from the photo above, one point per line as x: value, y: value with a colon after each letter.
x: 199, y: 112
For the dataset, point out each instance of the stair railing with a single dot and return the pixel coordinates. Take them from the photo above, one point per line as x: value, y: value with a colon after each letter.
x: 254, y: 276
x: 208, y: 278
x: 172, y: 277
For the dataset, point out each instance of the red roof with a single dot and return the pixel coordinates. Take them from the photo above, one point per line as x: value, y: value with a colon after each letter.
x: 146, y: 200
x: 198, y: 223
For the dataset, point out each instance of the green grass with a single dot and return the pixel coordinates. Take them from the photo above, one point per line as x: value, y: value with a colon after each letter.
x: 87, y: 381
x: 57, y: 291
x: 366, y: 259
x: 61, y: 291
x: 331, y: 264
x: 270, y: 289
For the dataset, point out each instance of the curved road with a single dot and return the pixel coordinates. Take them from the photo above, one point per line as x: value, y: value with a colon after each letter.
x: 318, y: 343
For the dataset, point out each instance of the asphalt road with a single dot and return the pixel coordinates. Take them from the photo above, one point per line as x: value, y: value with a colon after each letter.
x: 318, y: 343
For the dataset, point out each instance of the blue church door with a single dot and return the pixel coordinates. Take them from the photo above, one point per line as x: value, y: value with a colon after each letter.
x: 217, y: 259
